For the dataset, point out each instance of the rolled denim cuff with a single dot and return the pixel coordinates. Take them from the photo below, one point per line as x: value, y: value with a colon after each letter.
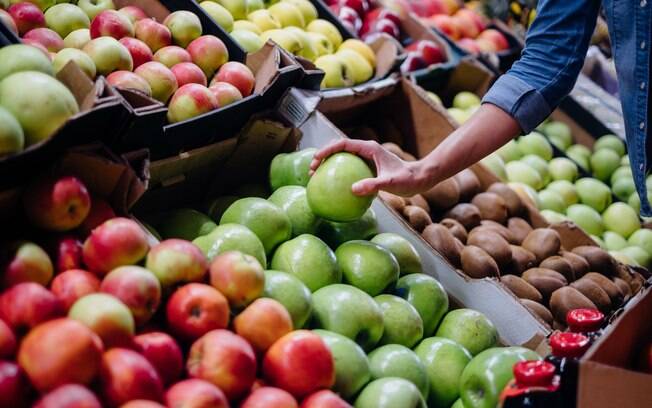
x: 520, y: 100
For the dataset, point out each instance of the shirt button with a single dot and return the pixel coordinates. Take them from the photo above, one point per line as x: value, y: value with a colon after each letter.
x: 641, y: 125
x: 642, y: 45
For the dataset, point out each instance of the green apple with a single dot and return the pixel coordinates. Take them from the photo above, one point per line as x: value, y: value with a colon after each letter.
x: 460, y: 115
x: 470, y: 328
x: 598, y: 241
x: 264, y: 20
x: 551, y: 200
x: 264, y: 218
x: 612, y: 142
x: 427, y: 296
x: 309, y: 259
x: 337, y: 233
x: 329, y: 189
x: 237, y: 8
x: 336, y: 74
x: 581, y: 155
x: 603, y: 163
x: 20, y: 57
x: 66, y: 18
x: 561, y: 168
x: 109, y: 55
x: 77, y: 39
x: 367, y: 266
x: 185, y: 223
x: 623, y: 188
x: 83, y: 61
x: 496, y: 165
x: 291, y: 169
x: 624, y: 171
x: 634, y: 201
x: 347, y: 310
x: 535, y: 143
x: 321, y: 43
x: 403, y: 325
x: 458, y: 403
x: 293, y: 200
x: 219, y: 14
x: 593, y: 193
x: 510, y: 151
x: 12, y: 138
x: 435, y: 98
x: 285, y: 39
x: 394, y: 360
x: 253, y: 5
x: 444, y: 361
x: 538, y: 164
x: 484, y: 378
x: 231, y: 237
x: 360, y: 69
x: 409, y: 260
x: 390, y: 392
x: 624, y: 259
x: 614, y: 241
x: 624, y: 161
x: 566, y: 190
x: 289, y: 291
x: 308, y: 10
x: 247, y: 25
x: 559, y: 134
x: 95, y: 7
x: 621, y: 219
x: 553, y: 217
x: 643, y: 239
x: 519, y: 172
x: 215, y: 207
x: 287, y: 14
x: 465, y: 100
x: 352, y: 370
x: 328, y: 29
x: 586, y: 218
x: 308, y: 47
x: 638, y: 254
x: 247, y: 40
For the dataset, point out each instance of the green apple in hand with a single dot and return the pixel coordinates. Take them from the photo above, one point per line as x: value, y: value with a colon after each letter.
x: 390, y: 392
x: 470, y: 328
x: 394, y: 360
x: 427, y: 296
x: 408, y: 258
x: 289, y: 291
x: 403, y: 324
x: 231, y: 237
x: 337, y: 233
x: 367, y: 266
x: 293, y: 200
x: 291, y: 169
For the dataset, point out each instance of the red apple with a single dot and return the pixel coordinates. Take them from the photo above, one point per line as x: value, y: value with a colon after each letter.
x: 14, y: 389
x: 445, y: 24
x: 27, y: 16
x: 465, y: 26
x: 189, y: 101
x: 188, y: 73
x: 262, y: 323
x: 359, y: 6
x: 324, y: 399
x: 163, y: 353
x: 195, y: 309
x: 118, y: 241
x: 498, y: 38
x: 425, y: 8
x: 7, y: 341
x: 140, y: 52
x: 486, y: 44
x: 25, y: 305
x: 67, y: 253
x: 238, y: 75
x: 160, y: 79
x: 142, y: 404
x: 469, y: 46
x: 387, y: 26
x: 154, y: 34
x: 270, y: 397
x: 137, y: 288
x: 413, y: 62
x: 58, y: 204
x: 348, y: 15
x: 175, y: 261
x: 133, y: 13
x: 100, y: 210
x: 107, y: 316
x: 46, y: 37
x: 430, y: 51
x: 126, y: 375
x: 27, y: 262
x: 172, y: 55
x: 69, y: 396
x: 59, y: 352
x: 238, y: 276
x: 300, y: 363
x: 225, y: 360
x: 209, y: 53
x: 111, y: 23
x: 195, y: 393
x: 73, y: 284
x: 8, y: 21
x: 129, y: 80
x: 225, y: 93
x: 451, y: 6
x: 471, y: 17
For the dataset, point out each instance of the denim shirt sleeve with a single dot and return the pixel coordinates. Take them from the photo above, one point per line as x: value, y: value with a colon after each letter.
x: 554, y: 52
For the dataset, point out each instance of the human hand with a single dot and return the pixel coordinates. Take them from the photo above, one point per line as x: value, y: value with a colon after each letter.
x: 392, y: 174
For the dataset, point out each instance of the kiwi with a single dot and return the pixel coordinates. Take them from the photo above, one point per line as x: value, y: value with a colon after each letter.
x: 495, y: 245
x: 599, y: 260
x: 512, y: 200
x: 520, y: 228
x: 595, y: 293
x: 543, y: 243
x: 637, y: 282
x: 477, y: 263
x: 419, y: 201
x: 559, y: 264
x: 624, y: 287
x: 611, y: 288
x: 468, y: 182
x: 578, y: 263
x: 521, y: 288
x: 545, y: 280
x: 455, y: 228
x: 394, y: 201
x: 492, y: 207
x: 538, y: 309
x: 444, y: 195
x: 466, y: 214
x: 566, y: 299
x: 417, y: 217
x: 522, y: 260
x: 441, y: 239
x: 500, y: 229
x: 459, y: 245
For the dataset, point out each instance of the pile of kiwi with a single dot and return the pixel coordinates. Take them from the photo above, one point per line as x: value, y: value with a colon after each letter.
x: 484, y: 234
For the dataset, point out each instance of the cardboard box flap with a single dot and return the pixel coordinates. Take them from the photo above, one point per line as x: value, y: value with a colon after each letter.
x: 387, y: 52
x: 297, y: 104
x: 265, y: 63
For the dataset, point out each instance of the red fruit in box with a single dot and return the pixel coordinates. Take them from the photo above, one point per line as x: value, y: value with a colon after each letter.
x: 195, y: 393
x: 195, y: 309
x: 68, y: 253
x: 155, y: 35
x: 26, y: 305
x: 140, y: 52
x: 134, y: 13
x: 27, y: 16
x: 225, y: 93
x: 300, y: 363
x: 237, y: 276
x: 225, y: 360
x: 445, y: 24
x: 188, y: 73
x: 59, y: 352
x: 431, y: 52
x: 324, y: 399
x: 172, y: 55
x: 111, y: 23
x: 426, y: 8
x: 107, y: 316
x: 238, y: 75
x: 57, y: 204
x: 465, y: 27
x: 73, y: 284
x: 46, y: 37
x: 469, y: 45
x: 359, y: 6
x: 26, y: 262
x: 7, y: 341
x: 126, y: 375
x: 137, y: 288
x: 163, y: 352
x: 262, y: 323
x: 175, y: 261
x: 471, y: 16
x: 347, y: 15
x: 142, y: 404
x: 387, y: 26
x: 269, y: 397
x: 413, y: 62
x: 496, y: 37
x: 69, y: 396
x: 14, y: 390
x: 101, y: 210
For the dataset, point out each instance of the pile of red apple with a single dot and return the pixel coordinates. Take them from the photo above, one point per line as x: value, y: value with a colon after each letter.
x: 170, y: 61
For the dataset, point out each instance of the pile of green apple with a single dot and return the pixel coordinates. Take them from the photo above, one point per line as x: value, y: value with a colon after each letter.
x: 463, y: 105
x: 295, y: 26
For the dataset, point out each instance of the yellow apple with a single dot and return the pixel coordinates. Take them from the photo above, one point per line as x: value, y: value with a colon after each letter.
x: 285, y: 39
x: 321, y: 42
x: 287, y: 14
x: 246, y: 25
x: 237, y: 8
x: 359, y: 68
x: 307, y: 9
x: 264, y: 20
x: 328, y: 29
x: 336, y: 73
x: 308, y: 47
x: 247, y: 40
x: 361, y: 48
x: 219, y: 14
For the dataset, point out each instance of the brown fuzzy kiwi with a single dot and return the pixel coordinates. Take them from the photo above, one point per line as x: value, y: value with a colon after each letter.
x: 595, y: 293
x: 578, y: 263
x: 611, y: 288
x: 492, y: 207
x: 521, y: 288
x: 455, y: 228
x: 519, y: 228
x: 637, y: 282
x: 394, y: 201
x: 441, y: 239
x: 545, y: 280
x: 543, y: 243
x: 499, y: 228
x: 444, y: 195
x: 419, y: 201
x: 495, y: 245
x: 559, y: 264
x: 513, y: 201
x: 469, y: 183
x: 566, y: 299
x: 522, y: 260
x: 624, y: 287
x: 477, y: 263
x: 599, y: 260
x: 417, y: 217
x: 466, y: 214
x: 538, y: 309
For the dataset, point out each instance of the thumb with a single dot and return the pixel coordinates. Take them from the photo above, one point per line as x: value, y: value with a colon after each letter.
x: 367, y: 186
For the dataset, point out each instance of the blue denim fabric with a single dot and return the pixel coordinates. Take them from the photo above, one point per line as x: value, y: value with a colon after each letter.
x: 552, y: 59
